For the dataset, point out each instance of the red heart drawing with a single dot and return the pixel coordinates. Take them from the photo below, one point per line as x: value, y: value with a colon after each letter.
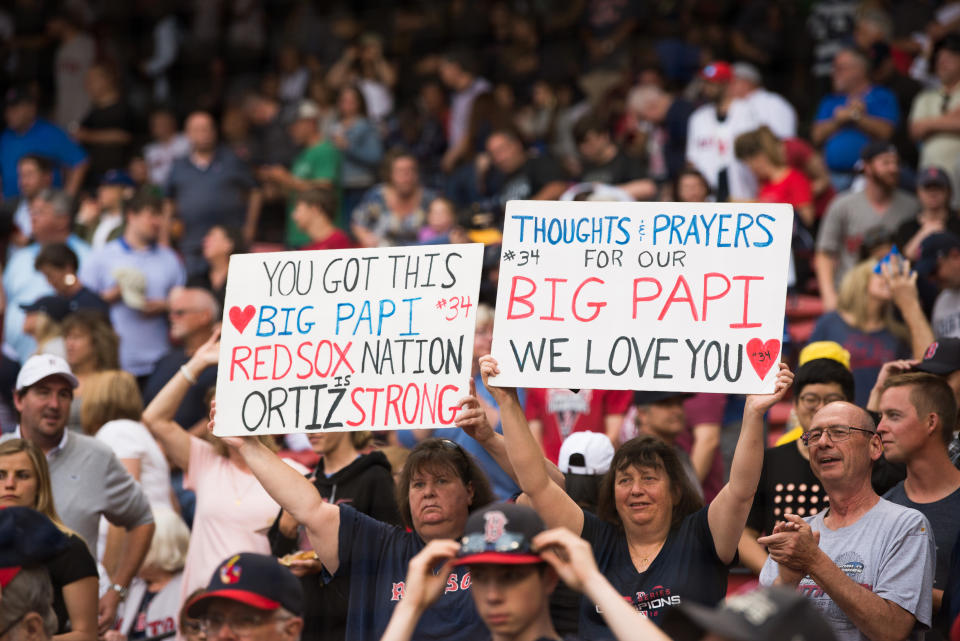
x: 242, y: 317
x: 762, y: 355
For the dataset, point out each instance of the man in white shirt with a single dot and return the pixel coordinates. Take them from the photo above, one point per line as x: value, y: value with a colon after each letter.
x: 765, y: 107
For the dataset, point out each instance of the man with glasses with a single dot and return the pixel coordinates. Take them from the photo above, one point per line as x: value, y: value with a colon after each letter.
x: 134, y: 273
x: 919, y: 415
x: 250, y: 597
x: 787, y: 484
x: 867, y: 563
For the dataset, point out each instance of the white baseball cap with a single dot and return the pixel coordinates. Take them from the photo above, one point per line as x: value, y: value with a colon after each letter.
x: 597, y: 451
x: 40, y: 366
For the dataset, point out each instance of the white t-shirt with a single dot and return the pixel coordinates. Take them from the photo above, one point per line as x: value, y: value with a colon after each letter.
x: 131, y: 440
x: 159, y: 157
x: 710, y: 147
x: 771, y: 109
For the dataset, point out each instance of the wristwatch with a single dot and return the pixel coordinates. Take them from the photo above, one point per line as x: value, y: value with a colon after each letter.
x: 120, y: 590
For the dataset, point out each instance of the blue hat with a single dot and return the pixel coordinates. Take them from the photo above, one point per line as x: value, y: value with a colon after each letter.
x: 501, y: 533
x: 117, y: 177
x: 256, y: 580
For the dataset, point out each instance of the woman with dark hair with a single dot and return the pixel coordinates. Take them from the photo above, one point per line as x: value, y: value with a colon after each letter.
x: 359, y: 142
x: 91, y: 346
x: 653, y: 538
x: 691, y: 187
x: 440, y: 486
x: 393, y: 212
x: 219, y: 244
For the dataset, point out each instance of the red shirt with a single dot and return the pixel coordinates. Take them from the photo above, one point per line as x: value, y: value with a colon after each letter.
x: 793, y: 188
x: 337, y: 240
x: 563, y: 412
x: 798, y: 152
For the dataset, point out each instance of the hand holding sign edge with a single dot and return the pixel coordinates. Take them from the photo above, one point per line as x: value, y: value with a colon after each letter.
x: 489, y: 369
x: 760, y: 403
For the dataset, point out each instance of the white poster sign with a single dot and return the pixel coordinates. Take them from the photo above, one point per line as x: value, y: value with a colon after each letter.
x: 643, y: 296
x: 343, y: 340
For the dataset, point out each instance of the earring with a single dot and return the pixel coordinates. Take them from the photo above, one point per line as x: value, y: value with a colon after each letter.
x: 69, y: 280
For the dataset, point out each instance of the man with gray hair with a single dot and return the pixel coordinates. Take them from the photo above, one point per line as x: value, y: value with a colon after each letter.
x: 664, y: 119
x: 50, y: 220
x: 766, y: 107
x: 865, y: 562
x: 194, y: 314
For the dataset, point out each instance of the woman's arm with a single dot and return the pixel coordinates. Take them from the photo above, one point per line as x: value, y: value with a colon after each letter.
x: 422, y: 588
x: 903, y: 288
x: 550, y: 501
x: 295, y: 494
x: 80, y: 599
x: 728, y: 512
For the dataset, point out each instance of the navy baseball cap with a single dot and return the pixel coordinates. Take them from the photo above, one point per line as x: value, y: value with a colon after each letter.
x: 256, y: 580
x: 933, y: 248
x: 941, y: 358
x: 27, y: 538
x: 876, y: 148
x: 645, y: 397
x: 501, y: 533
x: 933, y: 176
x: 117, y: 177
x: 55, y: 307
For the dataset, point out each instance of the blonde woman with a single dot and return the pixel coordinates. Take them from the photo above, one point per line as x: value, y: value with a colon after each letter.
x: 25, y: 482
x: 153, y: 604
x: 111, y: 413
x: 233, y: 510
x: 866, y: 325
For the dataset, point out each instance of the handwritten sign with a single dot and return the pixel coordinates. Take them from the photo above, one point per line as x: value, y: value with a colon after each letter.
x: 651, y: 296
x: 374, y: 339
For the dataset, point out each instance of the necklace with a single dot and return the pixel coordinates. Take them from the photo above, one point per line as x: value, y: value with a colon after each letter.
x: 643, y: 562
x: 237, y: 493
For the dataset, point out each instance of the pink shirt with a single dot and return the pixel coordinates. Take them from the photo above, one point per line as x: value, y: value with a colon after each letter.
x: 233, y: 514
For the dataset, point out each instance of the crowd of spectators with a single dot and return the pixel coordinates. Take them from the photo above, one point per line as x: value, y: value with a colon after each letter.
x: 145, y: 143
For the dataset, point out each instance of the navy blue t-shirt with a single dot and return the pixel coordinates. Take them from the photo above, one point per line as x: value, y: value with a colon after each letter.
x: 375, y: 557
x: 687, y: 570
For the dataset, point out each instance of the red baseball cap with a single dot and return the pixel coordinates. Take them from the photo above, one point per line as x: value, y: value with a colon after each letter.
x: 717, y: 71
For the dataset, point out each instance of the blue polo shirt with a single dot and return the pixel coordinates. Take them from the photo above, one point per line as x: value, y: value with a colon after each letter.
x: 44, y: 139
x: 842, y: 150
x: 143, y: 338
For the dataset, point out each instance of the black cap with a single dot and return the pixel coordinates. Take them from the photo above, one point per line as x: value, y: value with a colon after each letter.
x: 933, y: 248
x: 875, y: 148
x: 770, y: 614
x: 501, y: 533
x: 256, y: 580
x: 55, y: 307
x: 933, y: 176
x: 641, y: 397
x: 941, y: 358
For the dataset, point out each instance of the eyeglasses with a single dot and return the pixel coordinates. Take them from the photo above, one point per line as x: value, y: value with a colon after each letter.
x: 242, y: 623
x: 177, y: 313
x: 812, y: 401
x: 506, y: 542
x: 837, y: 434
x: 193, y: 626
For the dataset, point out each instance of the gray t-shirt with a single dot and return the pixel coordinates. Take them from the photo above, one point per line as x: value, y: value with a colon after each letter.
x: 890, y: 551
x: 945, y: 319
x: 850, y: 216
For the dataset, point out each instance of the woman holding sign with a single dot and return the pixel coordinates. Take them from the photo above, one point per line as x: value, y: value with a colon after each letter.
x: 440, y: 486
x: 652, y: 537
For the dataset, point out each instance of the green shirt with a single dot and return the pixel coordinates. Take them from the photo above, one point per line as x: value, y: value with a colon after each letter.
x: 322, y: 161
